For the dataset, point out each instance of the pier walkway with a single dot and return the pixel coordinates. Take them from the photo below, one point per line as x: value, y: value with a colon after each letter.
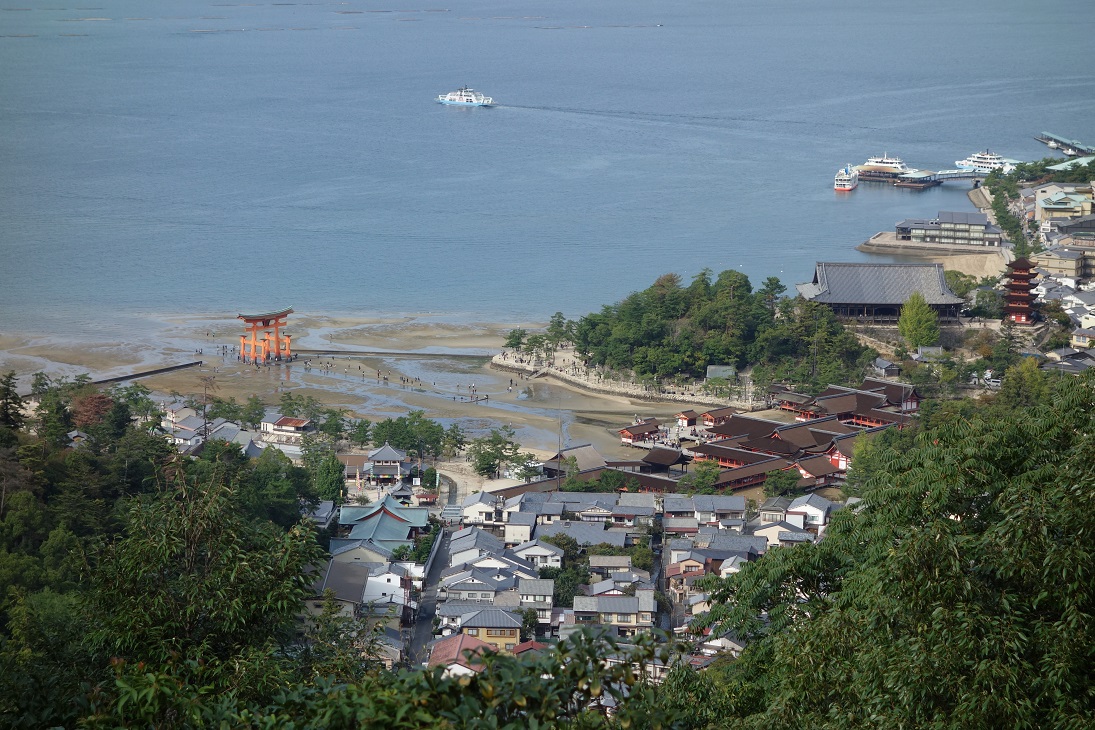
x: 1071, y: 147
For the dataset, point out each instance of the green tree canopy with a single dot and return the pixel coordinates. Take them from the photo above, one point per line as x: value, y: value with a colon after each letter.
x: 11, y: 405
x: 918, y: 324
x: 954, y: 596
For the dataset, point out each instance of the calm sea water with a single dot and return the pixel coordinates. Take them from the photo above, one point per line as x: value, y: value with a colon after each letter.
x: 177, y: 157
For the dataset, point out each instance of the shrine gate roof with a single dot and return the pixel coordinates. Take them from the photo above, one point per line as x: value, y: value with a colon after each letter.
x: 268, y: 315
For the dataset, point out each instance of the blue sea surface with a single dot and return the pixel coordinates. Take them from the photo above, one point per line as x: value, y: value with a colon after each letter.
x: 201, y: 157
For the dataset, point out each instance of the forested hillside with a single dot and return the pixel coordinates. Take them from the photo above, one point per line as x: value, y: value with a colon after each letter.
x: 959, y: 594
x: 142, y: 589
x: 669, y: 329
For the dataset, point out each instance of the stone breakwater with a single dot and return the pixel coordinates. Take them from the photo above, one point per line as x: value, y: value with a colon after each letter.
x: 568, y: 371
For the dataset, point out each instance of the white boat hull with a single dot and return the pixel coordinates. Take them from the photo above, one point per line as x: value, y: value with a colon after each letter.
x: 446, y: 102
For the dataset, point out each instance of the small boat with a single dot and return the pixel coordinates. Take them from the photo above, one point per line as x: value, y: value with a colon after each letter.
x: 985, y: 162
x: 465, y: 97
x: 847, y: 178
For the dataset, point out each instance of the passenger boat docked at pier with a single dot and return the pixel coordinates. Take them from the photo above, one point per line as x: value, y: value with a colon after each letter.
x: 465, y: 97
x: 847, y: 178
x: 885, y: 164
x: 985, y: 162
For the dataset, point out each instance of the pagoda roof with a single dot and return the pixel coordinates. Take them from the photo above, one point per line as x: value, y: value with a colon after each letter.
x: 267, y: 315
x: 1022, y: 263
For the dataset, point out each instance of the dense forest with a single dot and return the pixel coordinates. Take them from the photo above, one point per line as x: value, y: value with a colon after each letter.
x: 145, y: 589
x: 672, y: 330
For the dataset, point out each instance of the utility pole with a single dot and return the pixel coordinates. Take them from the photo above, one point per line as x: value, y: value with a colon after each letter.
x: 208, y: 384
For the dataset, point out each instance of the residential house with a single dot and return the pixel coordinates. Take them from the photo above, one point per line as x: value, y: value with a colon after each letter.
x: 506, y: 562
x: 323, y: 515
x: 815, y: 511
x: 774, y: 509
x: 532, y: 648
x: 480, y: 585
x: 622, y: 615
x: 715, y: 541
x: 449, y: 614
x: 346, y: 582
x: 771, y: 531
x: 501, y: 629
x: 390, y: 647
x: 622, y: 515
x: 710, y: 509
x: 723, y: 643
x: 604, y: 566
x: 541, y: 554
x: 680, y: 526
x: 790, y: 539
x: 459, y: 655
x: 471, y: 543
x: 174, y: 412
x: 584, y: 533
x: 518, y: 527
x: 681, y: 576
x: 389, y: 586
x: 278, y: 429
x: 480, y: 509
x: 538, y: 595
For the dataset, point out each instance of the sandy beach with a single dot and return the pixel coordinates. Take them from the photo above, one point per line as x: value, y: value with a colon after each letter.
x: 424, y: 364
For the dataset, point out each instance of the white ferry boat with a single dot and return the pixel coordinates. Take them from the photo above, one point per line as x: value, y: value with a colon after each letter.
x: 847, y: 178
x: 985, y: 162
x: 885, y: 163
x: 465, y: 97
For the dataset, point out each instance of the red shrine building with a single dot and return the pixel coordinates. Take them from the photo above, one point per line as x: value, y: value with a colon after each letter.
x: 1018, y: 299
x: 273, y: 345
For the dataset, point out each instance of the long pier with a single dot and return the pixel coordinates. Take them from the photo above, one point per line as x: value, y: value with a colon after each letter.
x: 1070, y: 147
x: 920, y: 179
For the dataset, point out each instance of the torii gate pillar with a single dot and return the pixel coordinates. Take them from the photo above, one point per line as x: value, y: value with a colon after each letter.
x: 272, y: 345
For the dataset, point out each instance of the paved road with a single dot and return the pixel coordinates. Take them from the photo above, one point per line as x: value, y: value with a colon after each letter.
x: 427, y: 602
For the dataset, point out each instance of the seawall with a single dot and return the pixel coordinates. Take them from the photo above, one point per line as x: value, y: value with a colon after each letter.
x: 633, y: 391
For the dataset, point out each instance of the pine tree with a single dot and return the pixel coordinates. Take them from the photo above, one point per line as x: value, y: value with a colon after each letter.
x: 11, y: 405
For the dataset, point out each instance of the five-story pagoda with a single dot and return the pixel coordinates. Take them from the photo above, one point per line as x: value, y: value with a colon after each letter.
x: 1018, y: 299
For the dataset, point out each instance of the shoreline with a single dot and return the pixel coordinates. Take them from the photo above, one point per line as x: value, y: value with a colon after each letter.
x: 978, y: 261
x: 424, y: 366
x: 591, y: 382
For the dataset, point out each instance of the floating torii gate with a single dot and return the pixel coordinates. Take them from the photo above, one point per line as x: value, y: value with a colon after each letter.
x: 273, y: 345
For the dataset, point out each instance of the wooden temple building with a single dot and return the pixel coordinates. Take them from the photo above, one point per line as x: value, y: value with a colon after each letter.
x: 875, y: 293
x: 1019, y: 299
x: 273, y: 345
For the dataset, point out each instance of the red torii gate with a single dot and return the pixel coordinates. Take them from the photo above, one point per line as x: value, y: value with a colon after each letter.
x: 269, y: 347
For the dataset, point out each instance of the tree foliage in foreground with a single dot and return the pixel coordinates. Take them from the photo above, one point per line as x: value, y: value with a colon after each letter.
x: 961, y: 594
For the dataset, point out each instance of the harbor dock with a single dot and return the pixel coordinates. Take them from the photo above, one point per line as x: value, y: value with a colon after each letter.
x: 1069, y: 147
x: 920, y: 179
